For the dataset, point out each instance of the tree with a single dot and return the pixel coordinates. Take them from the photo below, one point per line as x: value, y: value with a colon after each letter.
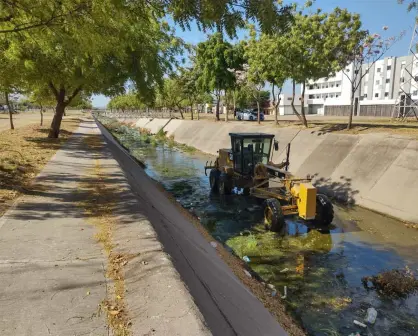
x: 214, y: 58
x: 188, y: 86
x: 362, y: 56
x: 10, y: 79
x: 265, y: 56
x: 314, y: 46
x: 96, y: 53
x: 23, y: 15
x: 42, y: 97
x: 127, y: 101
x: 171, y: 95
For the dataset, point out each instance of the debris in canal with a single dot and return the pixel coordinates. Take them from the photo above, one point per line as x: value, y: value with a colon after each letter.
x: 246, y: 259
x: 214, y: 244
x: 371, y: 315
x: 396, y: 282
x: 359, y: 324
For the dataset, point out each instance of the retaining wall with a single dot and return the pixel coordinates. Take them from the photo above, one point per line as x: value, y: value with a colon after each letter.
x: 377, y: 171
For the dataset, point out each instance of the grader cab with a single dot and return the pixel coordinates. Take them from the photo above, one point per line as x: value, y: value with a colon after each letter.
x: 248, y: 165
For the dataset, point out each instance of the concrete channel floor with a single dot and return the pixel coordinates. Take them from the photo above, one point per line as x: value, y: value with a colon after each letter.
x: 52, y: 270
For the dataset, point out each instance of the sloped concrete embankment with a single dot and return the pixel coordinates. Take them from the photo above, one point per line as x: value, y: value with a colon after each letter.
x: 377, y: 171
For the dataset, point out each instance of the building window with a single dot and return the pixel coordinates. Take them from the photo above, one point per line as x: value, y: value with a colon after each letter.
x: 378, y: 69
x: 356, y: 72
x: 326, y: 96
x: 378, y: 82
x: 317, y: 97
x: 311, y: 96
x: 386, y: 94
x: 387, y: 80
x: 289, y: 98
x: 332, y: 85
x: 310, y: 87
x: 365, y: 95
x: 331, y: 96
x: 389, y: 67
x: 337, y: 85
x: 402, y: 79
x: 336, y: 96
x: 415, y: 93
x: 376, y: 95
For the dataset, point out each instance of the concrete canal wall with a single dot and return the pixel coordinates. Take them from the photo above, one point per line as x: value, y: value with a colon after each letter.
x: 377, y: 171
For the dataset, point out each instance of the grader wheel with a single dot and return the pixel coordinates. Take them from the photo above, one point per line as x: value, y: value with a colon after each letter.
x: 273, y: 215
x: 214, y: 180
x: 224, y: 184
x: 324, y: 211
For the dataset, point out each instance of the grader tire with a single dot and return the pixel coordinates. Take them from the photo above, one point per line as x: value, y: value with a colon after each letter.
x: 324, y: 211
x: 224, y: 184
x: 273, y: 215
x: 214, y: 180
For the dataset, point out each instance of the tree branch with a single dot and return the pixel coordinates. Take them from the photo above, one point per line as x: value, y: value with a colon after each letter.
x: 54, y: 89
x: 75, y: 93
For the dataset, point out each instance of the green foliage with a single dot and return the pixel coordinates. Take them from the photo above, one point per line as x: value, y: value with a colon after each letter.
x: 229, y: 15
x: 213, y: 59
x: 97, y: 52
x: 128, y: 101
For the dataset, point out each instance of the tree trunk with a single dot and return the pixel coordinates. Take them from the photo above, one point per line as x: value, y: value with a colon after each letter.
x: 227, y: 107
x: 42, y: 116
x: 54, y: 131
x: 197, y: 111
x: 9, y: 107
x: 181, y: 113
x: 191, y: 111
x: 258, y: 111
x: 302, y: 104
x: 350, y: 118
x: 218, y: 101
x: 293, y: 102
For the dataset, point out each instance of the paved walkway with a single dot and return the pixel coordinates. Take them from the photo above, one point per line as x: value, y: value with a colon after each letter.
x: 52, y: 270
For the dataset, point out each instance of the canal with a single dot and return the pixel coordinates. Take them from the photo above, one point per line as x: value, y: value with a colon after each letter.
x: 322, y: 270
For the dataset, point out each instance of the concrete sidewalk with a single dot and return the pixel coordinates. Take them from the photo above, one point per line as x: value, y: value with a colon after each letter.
x: 53, y: 271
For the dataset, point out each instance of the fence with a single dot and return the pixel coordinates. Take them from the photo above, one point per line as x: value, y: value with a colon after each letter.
x: 377, y: 110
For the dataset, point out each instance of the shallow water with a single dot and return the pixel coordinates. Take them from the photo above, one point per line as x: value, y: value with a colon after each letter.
x: 322, y: 270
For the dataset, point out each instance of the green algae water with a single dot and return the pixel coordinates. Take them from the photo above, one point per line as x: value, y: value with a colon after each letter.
x: 321, y: 269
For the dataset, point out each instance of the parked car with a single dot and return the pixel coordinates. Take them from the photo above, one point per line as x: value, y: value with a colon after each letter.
x: 250, y: 115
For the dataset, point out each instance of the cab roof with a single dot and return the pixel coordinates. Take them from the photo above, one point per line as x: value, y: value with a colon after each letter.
x: 252, y: 135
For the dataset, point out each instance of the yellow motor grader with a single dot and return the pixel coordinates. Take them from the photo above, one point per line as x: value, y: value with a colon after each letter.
x: 248, y: 166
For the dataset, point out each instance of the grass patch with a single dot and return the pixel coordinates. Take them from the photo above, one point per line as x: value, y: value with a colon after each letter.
x: 24, y: 152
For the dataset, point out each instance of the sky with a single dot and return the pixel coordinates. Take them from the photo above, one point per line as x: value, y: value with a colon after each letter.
x: 374, y: 15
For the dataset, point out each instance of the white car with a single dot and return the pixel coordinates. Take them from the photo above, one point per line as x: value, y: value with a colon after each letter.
x: 250, y: 115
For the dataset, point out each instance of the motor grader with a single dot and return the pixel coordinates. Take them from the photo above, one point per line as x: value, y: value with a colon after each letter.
x: 247, y: 166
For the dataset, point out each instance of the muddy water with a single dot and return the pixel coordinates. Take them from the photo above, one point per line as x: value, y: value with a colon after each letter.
x: 322, y: 270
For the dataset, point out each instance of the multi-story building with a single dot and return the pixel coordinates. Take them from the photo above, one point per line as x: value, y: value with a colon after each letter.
x: 381, y: 85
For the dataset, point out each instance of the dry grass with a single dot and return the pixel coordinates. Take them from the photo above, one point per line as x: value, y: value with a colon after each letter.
x: 23, y: 154
x: 99, y: 204
x: 406, y: 129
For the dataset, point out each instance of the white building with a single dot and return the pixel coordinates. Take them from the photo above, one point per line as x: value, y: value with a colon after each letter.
x: 384, y: 82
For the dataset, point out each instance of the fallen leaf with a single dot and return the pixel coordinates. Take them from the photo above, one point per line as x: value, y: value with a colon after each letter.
x: 114, y: 312
x: 119, y: 297
x: 88, y: 293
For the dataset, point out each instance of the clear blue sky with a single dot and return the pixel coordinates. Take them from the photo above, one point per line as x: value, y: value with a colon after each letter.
x: 374, y: 15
